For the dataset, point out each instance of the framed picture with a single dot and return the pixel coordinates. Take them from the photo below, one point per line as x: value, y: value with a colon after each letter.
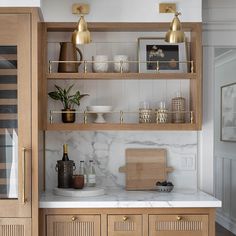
x: 151, y: 50
x: 228, y: 113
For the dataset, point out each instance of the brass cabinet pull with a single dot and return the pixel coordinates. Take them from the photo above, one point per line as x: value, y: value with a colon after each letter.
x: 24, y: 200
x: 179, y: 218
x: 73, y: 218
x: 125, y: 218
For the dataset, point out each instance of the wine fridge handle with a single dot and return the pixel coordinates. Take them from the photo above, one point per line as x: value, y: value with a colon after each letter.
x: 24, y: 150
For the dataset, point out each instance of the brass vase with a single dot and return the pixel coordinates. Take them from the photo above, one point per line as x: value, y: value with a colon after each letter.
x: 68, y: 115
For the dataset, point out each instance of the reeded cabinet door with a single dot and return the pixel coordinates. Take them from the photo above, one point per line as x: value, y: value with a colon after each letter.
x: 182, y: 225
x: 73, y: 225
x: 125, y: 225
x: 15, y: 116
x: 15, y: 227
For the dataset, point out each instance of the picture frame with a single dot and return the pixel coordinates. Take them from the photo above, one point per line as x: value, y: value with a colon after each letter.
x: 167, y: 54
x: 228, y: 113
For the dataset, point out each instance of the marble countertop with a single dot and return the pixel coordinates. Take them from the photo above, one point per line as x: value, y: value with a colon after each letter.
x: 119, y: 198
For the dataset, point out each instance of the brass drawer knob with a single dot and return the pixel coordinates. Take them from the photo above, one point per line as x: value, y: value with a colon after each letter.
x: 73, y: 218
x: 179, y: 218
x: 125, y: 218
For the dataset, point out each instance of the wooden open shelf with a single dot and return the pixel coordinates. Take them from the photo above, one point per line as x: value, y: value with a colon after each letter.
x: 117, y: 126
x: 117, y: 76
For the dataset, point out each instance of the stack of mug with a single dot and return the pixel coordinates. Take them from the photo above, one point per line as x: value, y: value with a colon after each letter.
x: 101, y: 63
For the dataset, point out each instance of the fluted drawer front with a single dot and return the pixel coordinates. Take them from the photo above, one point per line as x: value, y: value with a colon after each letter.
x: 14, y: 227
x: 184, y: 225
x: 129, y: 225
x: 73, y: 225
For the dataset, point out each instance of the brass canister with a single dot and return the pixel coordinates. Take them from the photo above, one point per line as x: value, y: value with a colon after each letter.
x: 65, y: 173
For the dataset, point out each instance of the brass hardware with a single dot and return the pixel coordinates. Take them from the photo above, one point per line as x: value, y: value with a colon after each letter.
x: 121, y: 66
x: 192, y: 67
x: 24, y: 200
x: 158, y: 67
x: 50, y: 67
x: 85, y: 117
x: 125, y: 218
x: 51, y: 118
x: 191, y: 117
x: 80, y: 8
x: 179, y: 218
x: 73, y: 218
x: 121, y: 117
x: 85, y: 66
x: 165, y: 7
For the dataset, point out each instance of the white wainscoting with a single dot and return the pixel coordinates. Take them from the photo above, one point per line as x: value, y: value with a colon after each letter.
x: 225, y: 190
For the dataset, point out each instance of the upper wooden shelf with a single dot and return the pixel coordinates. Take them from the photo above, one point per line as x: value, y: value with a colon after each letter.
x: 118, y: 26
x: 117, y: 76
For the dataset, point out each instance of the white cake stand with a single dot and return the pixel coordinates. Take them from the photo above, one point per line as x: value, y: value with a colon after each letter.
x: 99, y: 111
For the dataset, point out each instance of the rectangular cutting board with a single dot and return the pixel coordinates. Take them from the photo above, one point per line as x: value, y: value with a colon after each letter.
x: 144, y: 167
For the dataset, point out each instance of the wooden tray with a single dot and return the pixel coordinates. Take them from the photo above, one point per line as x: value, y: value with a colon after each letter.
x: 144, y: 167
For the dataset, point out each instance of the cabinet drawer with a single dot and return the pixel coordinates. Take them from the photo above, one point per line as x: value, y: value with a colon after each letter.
x: 128, y: 225
x: 73, y: 225
x: 184, y: 225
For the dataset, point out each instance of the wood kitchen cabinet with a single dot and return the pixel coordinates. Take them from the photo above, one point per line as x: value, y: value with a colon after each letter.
x: 73, y: 225
x: 15, y: 227
x: 128, y: 222
x: 130, y: 225
x: 18, y: 134
x: 178, y: 225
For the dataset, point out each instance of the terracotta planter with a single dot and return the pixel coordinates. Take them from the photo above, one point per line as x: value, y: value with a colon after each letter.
x: 68, y: 116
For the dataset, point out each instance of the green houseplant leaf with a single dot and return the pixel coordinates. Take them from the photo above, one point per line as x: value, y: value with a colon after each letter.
x: 63, y: 95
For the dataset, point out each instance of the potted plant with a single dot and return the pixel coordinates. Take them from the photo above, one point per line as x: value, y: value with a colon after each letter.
x: 68, y: 101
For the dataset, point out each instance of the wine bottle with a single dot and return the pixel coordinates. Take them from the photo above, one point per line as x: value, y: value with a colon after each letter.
x: 65, y: 153
x: 91, y: 175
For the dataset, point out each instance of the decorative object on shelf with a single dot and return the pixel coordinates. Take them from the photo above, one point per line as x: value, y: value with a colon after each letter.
x: 145, y: 112
x: 65, y: 169
x: 178, y: 109
x: 100, y: 63
x: 68, y: 52
x: 161, y: 56
x: 228, y: 113
x: 121, y: 63
x: 68, y: 101
x: 78, y: 181
x: 145, y: 115
x: 99, y: 110
x: 162, y: 113
x: 81, y: 34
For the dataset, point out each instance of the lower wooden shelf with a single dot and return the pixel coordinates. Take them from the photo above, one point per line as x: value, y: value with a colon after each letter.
x: 117, y: 126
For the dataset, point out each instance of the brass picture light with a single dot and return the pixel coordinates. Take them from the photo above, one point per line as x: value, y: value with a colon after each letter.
x: 81, y: 34
x: 175, y: 34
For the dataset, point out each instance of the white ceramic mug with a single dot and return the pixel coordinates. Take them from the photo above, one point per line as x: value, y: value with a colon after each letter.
x: 121, y: 63
x: 100, y: 63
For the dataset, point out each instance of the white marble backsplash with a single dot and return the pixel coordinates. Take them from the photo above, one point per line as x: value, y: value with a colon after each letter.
x: 107, y: 149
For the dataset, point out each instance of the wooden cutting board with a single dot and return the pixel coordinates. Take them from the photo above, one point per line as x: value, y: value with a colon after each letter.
x: 144, y: 167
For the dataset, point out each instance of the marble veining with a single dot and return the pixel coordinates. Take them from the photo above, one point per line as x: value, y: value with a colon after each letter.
x: 115, y: 198
x: 107, y: 149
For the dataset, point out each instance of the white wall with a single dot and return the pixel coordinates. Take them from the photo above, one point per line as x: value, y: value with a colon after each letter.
x: 122, y: 10
x: 219, y: 32
x: 20, y: 3
x: 225, y: 152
